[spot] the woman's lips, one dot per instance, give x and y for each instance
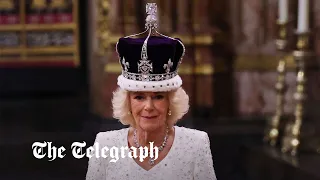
(148, 117)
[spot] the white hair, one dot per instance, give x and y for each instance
(178, 104)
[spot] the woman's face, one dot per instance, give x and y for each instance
(149, 109)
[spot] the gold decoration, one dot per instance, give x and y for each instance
(283, 30)
(272, 130)
(291, 139)
(60, 4)
(184, 69)
(282, 33)
(205, 39)
(262, 62)
(39, 4)
(187, 40)
(202, 69)
(303, 42)
(103, 32)
(6, 4)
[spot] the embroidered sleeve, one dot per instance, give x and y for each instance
(96, 166)
(204, 164)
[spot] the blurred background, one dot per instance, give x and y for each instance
(251, 70)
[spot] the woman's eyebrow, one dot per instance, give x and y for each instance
(159, 92)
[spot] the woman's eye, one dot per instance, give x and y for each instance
(138, 97)
(159, 97)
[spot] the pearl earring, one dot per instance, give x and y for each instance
(129, 113)
(169, 113)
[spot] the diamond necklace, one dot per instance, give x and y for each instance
(164, 143)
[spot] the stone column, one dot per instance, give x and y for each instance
(95, 62)
(104, 69)
(184, 32)
(203, 57)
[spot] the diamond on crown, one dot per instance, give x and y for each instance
(145, 66)
(149, 77)
(151, 8)
(151, 20)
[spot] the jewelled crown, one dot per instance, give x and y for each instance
(151, 63)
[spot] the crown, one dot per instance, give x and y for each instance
(151, 63)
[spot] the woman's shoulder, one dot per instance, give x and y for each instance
(193, 134)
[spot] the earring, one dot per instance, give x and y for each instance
(129, 113)
(169, 112)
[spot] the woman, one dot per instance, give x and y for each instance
(150, 100)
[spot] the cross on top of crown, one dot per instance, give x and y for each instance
(151, 8)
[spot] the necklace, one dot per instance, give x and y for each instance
(164, 143)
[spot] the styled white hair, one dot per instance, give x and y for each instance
(178, 104)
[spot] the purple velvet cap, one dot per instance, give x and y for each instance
(154, 68)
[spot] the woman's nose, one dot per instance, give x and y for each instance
(149, 105)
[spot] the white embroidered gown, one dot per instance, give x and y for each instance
(188, 159)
